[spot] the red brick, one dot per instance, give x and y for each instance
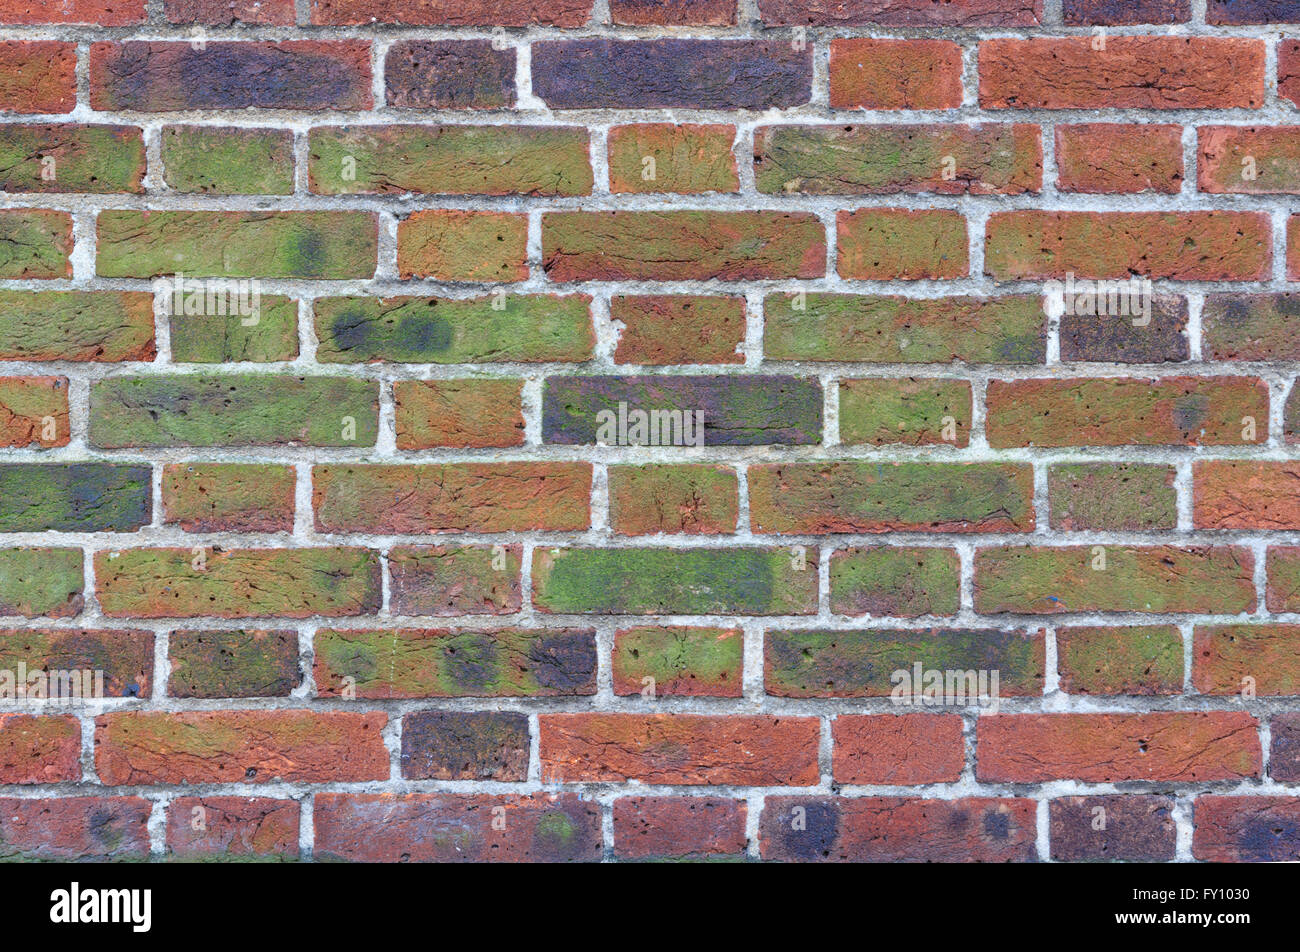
(678, 827)
(226, 827)
(37, 76)
(64, 829)
(1246, 829)
(452, 12)
(867, 73)
(896, 750)
(93, 12)
(39, 749)
(1113, 158)
(1246, 660)
(886, 244)
(1246, 494)
(901, 12)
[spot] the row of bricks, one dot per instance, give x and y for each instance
(748, 410)
(577, 13)
(673, 499)
(682, 158)
(447, 827)
(689, 245)
(1252, 660)
(145, 748)
(1079, 72)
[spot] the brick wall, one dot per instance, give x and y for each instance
(358, 548)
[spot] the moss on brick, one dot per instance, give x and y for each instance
(903, 581)
(228, 161)
(226, 338)
(40, 582)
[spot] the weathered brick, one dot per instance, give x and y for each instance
(135, 244)
(72, 158)
(465, 745)
(449, 74)
(1282, 564)
(687, 749)
(682, 245)
(1252, 11)
(748, 410)
(164, 747)
(1133, 828)
(269, 333)
(455, 580)
(226, 12)
(516, 327)
(1250, 327)
(35, 244)
(219, 828)
(473, 413)
(678, 329)
(887, 244)
(875, 497)
(233, 663)
(456, 160)
(408, 662)
(690, 662)
(1190, 246)
(1291, 417)
(686, 158)
(696, 499)
(899, 330)
(944, 158)
(74, 497)
(1245, 494)
(1288, 70)
(1131, 72)
(39, 749)
(1158, 578)
(77, 325)
(74, 829)
(900, 12)
(1143, 660)
(1112, 497)
(95, 12)
(34, 412)
(172, 77)
(1246, 659)
(745, 580)
(38, 76)
(1110, 748)
(894, 580)
(678, 828)
(898, 829)
(1137, 329)
(226, 160)
(452, 497)
(228, 497)
(1114, 158)
(466, 246)
(1246, 829)
(452, 12)
(910, 411)
(1284, 749)
(452, 827)
(1125, 12)
(864, 663)
(673, 12)
(894, 751)
(72, 662)
(671, 73)
(237, 583)
(35, 582)
(1248, 159)
(1119, 411)
(867, 73)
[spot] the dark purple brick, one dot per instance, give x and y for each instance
(1246, 829)
(166, 77)
(465, 745)
(737, 411)
(449, 74)
(900, 12)
(1253, 11)
(649, 74)
(1126, 12)
(1114, 339)
(1284, 754)
(1135, 828)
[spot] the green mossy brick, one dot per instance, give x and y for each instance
(147, 244)
(35, 244)
(702, 662)
(416, 330)
(76, 325)
(224, 338)
(1140, 659)
(441, 663)
(1116, 497)
(233, 410)
(887, 580)
(229, 497)
(71, 158)
(36, 582)
(661, 581)
(228, 161)
(450, 160)
(687, 158)
(908, 411)
(75, 497)
(881, 329)
(860, 663)
(243, 663)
